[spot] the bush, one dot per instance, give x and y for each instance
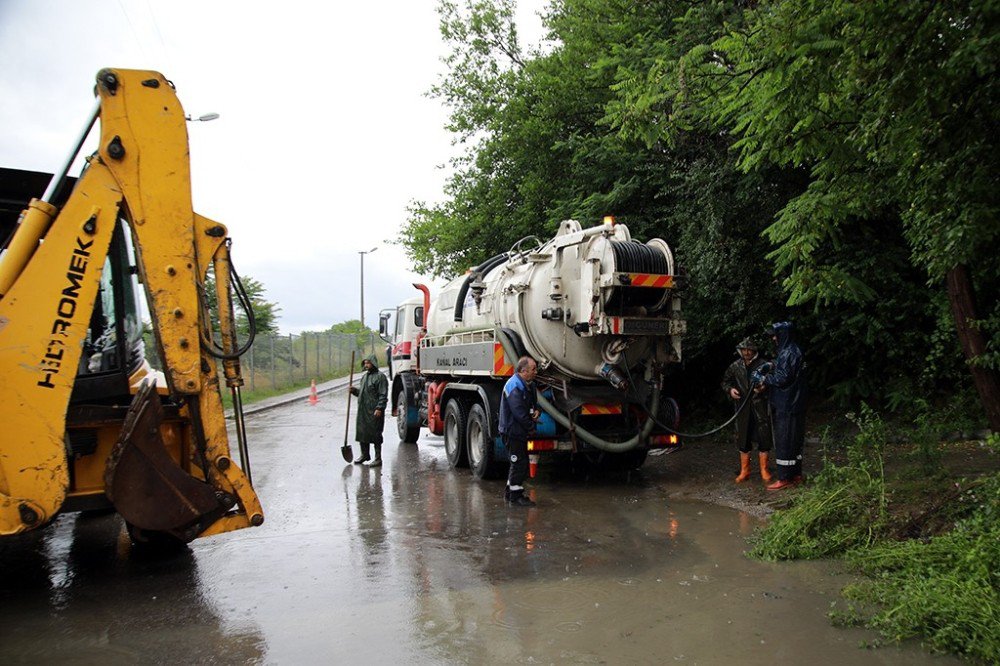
(945, 588)
(844, 508)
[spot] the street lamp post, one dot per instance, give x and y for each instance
(203, 118)
(362, 253)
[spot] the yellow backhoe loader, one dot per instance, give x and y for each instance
(85, 422)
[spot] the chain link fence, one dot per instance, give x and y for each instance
(278, 362)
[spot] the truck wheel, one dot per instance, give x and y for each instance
(454, 433)
(407, 434)
(482, 458)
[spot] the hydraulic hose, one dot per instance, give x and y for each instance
(582, 433)
(699, 435)
(211, 347)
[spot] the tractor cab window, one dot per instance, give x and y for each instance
(113, 343)
(100, 347)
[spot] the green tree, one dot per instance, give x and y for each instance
(539, 151)
(892, 107)
(702, 124)
(485, 210)
(362, 334)
(265, 312)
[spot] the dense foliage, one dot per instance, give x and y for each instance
(943, 586)
(827, 161)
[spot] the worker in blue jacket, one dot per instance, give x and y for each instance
(786, 389)
(518, 413)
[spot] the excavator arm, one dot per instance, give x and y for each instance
(159, 454)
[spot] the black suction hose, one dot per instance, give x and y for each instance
(699, 435)
(585, 435)
(628, 445)
(479, 271)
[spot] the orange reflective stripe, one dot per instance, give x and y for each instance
(594, 410)
(501, 367)
(651, 280)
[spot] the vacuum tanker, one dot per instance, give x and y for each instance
(598, 311)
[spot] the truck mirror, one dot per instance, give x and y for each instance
(383, 323)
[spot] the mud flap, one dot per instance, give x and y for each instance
(146, 486)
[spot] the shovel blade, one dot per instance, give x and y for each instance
(347, 452)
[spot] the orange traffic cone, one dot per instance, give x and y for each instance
(313, 398)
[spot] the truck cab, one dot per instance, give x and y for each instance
(402, 329)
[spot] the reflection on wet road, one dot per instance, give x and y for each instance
(415, 563)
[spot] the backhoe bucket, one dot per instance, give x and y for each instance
(144, 483)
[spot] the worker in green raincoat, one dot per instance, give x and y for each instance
(373, 394)
(754, 423)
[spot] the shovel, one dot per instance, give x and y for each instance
(346, 450)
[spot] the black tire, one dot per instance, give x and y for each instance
(407, 434)
(455, 418)
(482, 458)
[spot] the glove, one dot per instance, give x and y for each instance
(353, 390)
(757, 376)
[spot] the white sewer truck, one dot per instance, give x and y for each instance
(598, 311)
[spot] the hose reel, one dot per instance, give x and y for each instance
(636, 257)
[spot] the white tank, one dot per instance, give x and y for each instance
(578, 302)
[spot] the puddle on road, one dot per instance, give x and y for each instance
(415, 563)
(607, 573)
(427, 565)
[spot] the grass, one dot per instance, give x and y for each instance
(945, 589)
(845, 507)
(928, 544)
(258, 394)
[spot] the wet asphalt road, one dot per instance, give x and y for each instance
(415, 563)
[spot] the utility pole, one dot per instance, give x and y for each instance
(362, 253)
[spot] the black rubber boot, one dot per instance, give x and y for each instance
(517, 498)
(377, 460)
(363, 458)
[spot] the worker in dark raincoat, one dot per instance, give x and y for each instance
(753, 425)
(786, 391)
(518, 414)
(373, 394)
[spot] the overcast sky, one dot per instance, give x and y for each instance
(325, 134)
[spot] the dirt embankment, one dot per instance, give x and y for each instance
(705, 469)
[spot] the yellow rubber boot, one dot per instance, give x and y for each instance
(764, 474)
(744, 467)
